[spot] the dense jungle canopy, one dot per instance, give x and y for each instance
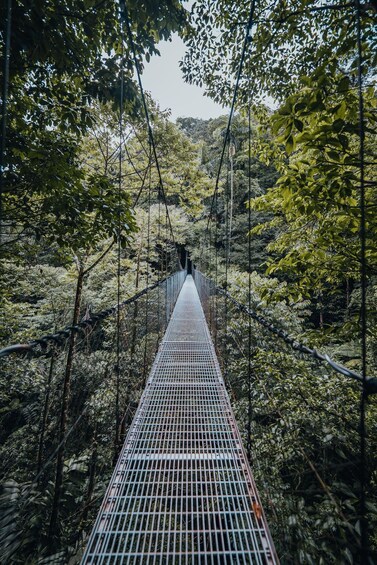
(86, 223)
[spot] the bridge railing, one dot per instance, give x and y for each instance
(103, 393)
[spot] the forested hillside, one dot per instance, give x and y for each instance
(275, 205)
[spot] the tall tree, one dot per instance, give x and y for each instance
(288, 39)
(64, 55)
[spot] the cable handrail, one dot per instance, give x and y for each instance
(371, 382)
(59, 337)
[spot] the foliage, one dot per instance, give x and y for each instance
(30, 403)
(64, 199)
(63, 57)
(316, 199)
(288, 40)
(39, 289)
(210, 136)
(63, 209)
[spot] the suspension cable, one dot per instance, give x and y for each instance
(216, 263)
(119, 235)
(126, 19)
(235, 92)
(227, 258)
(159, 259)
(4, 101)
(39, 347)
(145, 364)
(363, 310)
(249, 372)
(370, 382)
(232, 149)
(146, 172)
(166, 268)
(206, 286)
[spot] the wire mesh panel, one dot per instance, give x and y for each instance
(182, 490)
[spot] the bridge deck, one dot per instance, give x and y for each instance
(182, 490)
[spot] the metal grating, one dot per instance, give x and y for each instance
(182, 491)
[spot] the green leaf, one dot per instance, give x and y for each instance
(334, 155)
(299, 124)
(348, 556)
(343, 85)
(290, 144)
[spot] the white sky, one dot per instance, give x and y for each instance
(162, 77)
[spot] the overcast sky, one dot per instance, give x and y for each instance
(162, 77)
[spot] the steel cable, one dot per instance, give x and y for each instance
(364, 542)
(249, 373)
(119, 235)
(4, 114)
(235, 92)
(125, 18)
(370, 383)
(145, 363)
(59, 338)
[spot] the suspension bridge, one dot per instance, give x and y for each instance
(182, 490)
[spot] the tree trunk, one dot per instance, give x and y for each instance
(54, 520)
(321, 311)
(45, 414)
(91, 483)
(321, 318)
(348, 297)
(136, 311)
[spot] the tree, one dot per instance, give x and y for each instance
(305, 55)
(63, 57)
(315, 201)
(295, 55)
(288, 39)
(210, 135)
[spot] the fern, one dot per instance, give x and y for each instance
(22, 520)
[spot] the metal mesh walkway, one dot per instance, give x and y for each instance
(182, 490)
